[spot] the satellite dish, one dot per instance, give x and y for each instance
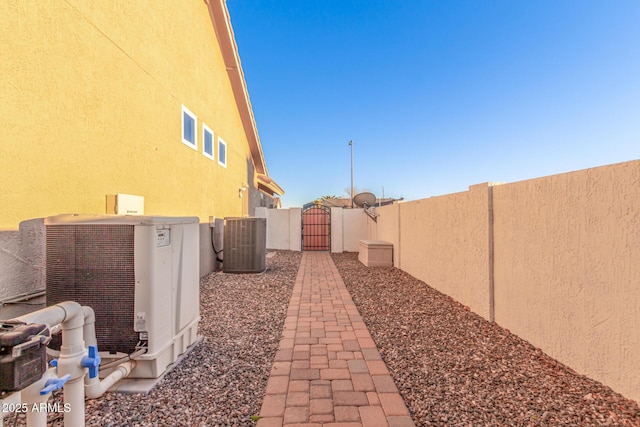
(364, 200)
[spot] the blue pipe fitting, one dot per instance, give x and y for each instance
(91, 361)
(54, 384)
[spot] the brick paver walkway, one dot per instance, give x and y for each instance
(327, 370)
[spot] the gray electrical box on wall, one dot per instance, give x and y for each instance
(245, 245)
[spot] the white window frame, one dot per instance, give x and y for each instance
(221, 142)
(206, 129)
(194, 144)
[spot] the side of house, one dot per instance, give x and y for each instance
(103, 98)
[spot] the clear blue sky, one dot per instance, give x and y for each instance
(438, 95)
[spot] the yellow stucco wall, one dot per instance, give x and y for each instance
(91, 105)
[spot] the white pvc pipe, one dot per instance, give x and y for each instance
(98, 388)
(89, 329)
(31, 396)
(51, 316)
(71, 316)
(78, 331)
(89, 332)
(93, 386)
(11, 401)
(73, 394)
(70, 362)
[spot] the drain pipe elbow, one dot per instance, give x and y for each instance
(97, 388)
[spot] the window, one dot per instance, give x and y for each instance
(222, 153)
(189, 123)
(207, 141)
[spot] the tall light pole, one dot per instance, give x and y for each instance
(351, 144)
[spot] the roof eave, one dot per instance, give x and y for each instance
(270, 184)
(221, 21)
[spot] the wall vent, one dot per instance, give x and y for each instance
(139, 274)
(245, 245)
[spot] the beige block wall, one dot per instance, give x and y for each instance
(565, 273)
(444, 241)
(387, 228)
(284, 227)
(277, 227)
(354, 229)
(567, 269)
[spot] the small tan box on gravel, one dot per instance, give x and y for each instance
(376, 253)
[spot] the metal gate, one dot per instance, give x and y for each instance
(316, 229)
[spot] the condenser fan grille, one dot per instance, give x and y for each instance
(93, 264)
(245, 243)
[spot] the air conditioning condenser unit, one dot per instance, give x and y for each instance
(245, 245)
(140, 274)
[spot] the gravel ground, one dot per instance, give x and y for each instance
(454, 368)
(223, 380)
